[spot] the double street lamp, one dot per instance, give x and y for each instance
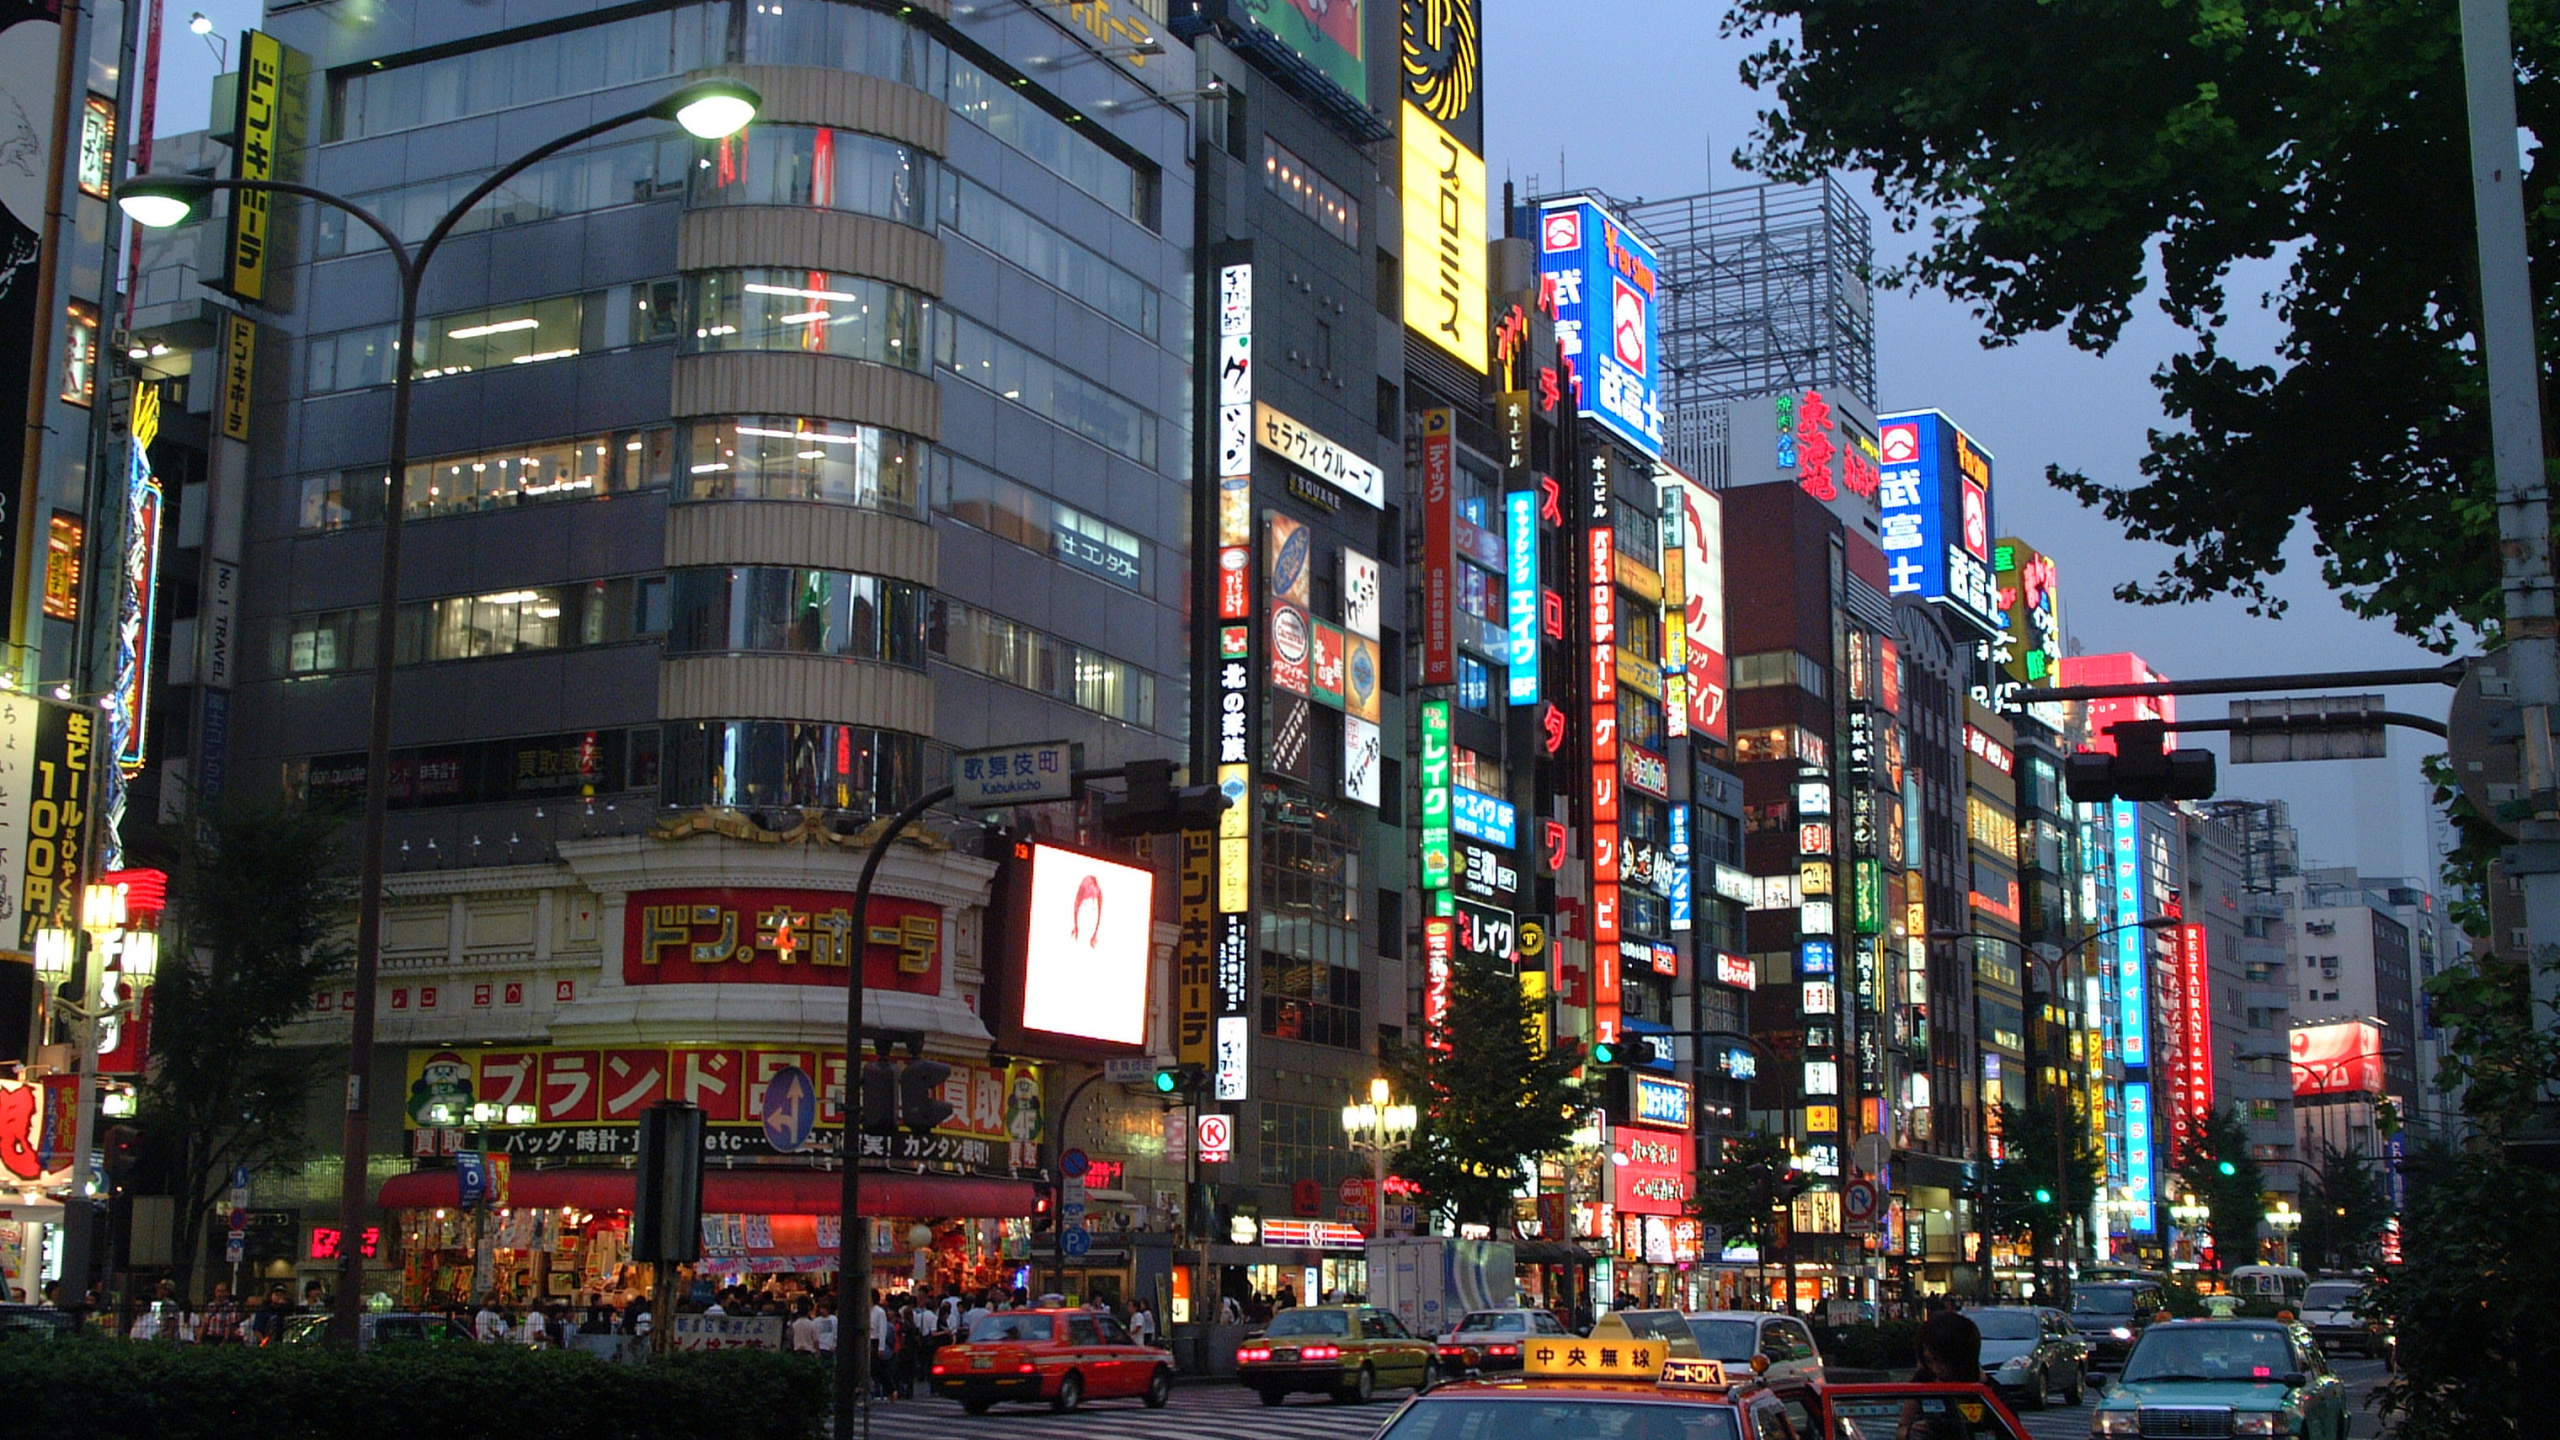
(709, 109)
(1379, 1126)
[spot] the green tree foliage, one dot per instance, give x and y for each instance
(2237, 1200)
(2060, 157)
(1492, 1098)
(2467, 1303)
(258, 921)
(2343, 1211)
(1740, 1188)
(2029, 1170)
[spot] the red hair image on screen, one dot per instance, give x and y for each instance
(1090, 888)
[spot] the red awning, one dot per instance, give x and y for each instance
(737, 1192)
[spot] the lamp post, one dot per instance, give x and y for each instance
(1378, 1126)
(709, 109)
(2284, 1220)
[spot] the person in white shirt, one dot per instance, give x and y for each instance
(827, 1328)
(534, 1333)
(976, 1313)
(804, 1332)
(884, 1349)
(490, 1325)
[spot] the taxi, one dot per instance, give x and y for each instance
(1624, 1384)
(1346, 1352)
(1060, 1357)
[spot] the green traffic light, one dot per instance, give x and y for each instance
(2227, 1168)
(2043, 1196)
(1167, 1082)
(1604, 1053)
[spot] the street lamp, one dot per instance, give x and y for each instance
(103, 915)
(709, 109)
(1378, 1126)
(2284, 1220)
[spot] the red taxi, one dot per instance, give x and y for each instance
(1060, 1357)
(1619, 1386)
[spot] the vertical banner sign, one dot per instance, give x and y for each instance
(127, 708)
(1439, 547)
(1675, 618)
(2191, 1069)
(1439, 943)
(1702, 627)
(239, 373)
(1435, 794)
(1235, 630)
(2133, 980)
(1194, 958)
(57, 817)
(22, 310)
(1603, 279)
(1444, 218)
(1520, 591)
(1682, 909)
(1601, 587)
(258, 125)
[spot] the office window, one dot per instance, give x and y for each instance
(80, 353)
(1040, 250)
(633, 172)
(982, 357)
(1303, 1142)
(612, 611)
(1311, 1000)
(979, 497)
(1012, 117)
(1772, 668)
(1018, 654)
(523, 332)
(613, 463)
(1639, 535)
(783, 457)
(527, 72)
(779, 609)
(1310, 194)
(812, 167)
(787, 764)
(805, 310)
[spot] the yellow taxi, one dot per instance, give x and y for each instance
(1623, 1383)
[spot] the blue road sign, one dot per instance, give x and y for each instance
(790, 1108)
(1076, 1243)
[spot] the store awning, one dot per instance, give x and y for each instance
(738, 1192)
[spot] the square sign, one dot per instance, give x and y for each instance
(1217, 1138)
(1606, 286)
(1935, 498)
(1014, 774)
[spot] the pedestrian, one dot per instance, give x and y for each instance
(535, 1332)
(220, 1323)
(1142, 1324)
(1950, 1354)
(979, 1309)
(884, 1347)
(489, 1327)
(827, 1329)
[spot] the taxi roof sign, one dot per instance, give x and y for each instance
(1602, 1357)
(1679, 1374)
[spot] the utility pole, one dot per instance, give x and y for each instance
(2524, 492)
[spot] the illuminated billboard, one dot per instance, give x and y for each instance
(1085, 948)
(1603, 279)
(1823, 442)
(2344, 1058)
(2118, 669)
(1444, 210)
(1702, 627)
(2030, 598)
(1327, 34)
(1935, 505)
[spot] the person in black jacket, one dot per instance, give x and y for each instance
(1950, 1354)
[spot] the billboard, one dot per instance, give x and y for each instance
(1444, 270)
(2344, 1058)
(1702, 628)
(1327, 34)
(1935, 504)
(1439, 546)
(2118, 669)
(1084, 954)
(1603, 280)
(1823, 442)
(2029, 646)
(2191, 1063)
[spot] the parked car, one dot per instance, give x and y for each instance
(1734, 1336)
(2111, 1315)
(2225, 1377)
(1347, 1352)
(36, 1322)
(2029, 1352)
(1490, 1340)
(2329, 1309)
(1061, 1357)
(391, 1327)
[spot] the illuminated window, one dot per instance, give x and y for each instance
(779, 457)
(612, 463)
(808, 311)
(97, 146)
(1309, 193)
(80, 353)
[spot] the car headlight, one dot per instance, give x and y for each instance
(2258, 1422)
(2122, 1332)
(2115, 1422)
(2014, 1362)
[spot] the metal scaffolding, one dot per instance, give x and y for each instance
(1765, 289)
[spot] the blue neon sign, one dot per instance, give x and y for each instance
(2137, 1151)
(1605, 280)
(1520, 581)
(2133, 989)
(1479, 816)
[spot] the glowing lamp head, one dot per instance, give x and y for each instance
(157, 202)
(55, 951)
(139, 957)
(101, 908)
(711, 109)
(201, 23)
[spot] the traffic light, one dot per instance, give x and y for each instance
(2143, 768)
(1180, 1079)
(879, 1097)
(123, 1147)
(2044, 1195)
(1633, 1050)
(1044, 1205)
(1154, 805)
(2227, 1168)
(920, 1103)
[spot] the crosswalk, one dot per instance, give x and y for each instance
(1227, 1412)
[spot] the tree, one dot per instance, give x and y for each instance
(2220, 1171)
(2028, 1172)
(1493, 1097)
(257, 924)
(1740, 1188)
(2060, 159)
(2343, 1212)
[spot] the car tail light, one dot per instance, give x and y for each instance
(1321, 1352)
(1026, 1368)
(1251, 1353)
(1502, 1350)
(939, 1369)
(1453, 1352)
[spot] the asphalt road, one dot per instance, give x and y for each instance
(1230, 1412)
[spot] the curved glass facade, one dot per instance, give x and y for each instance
(813, 167)
(805, 310)
(784, 457)
(788, 763)
(776, 609)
